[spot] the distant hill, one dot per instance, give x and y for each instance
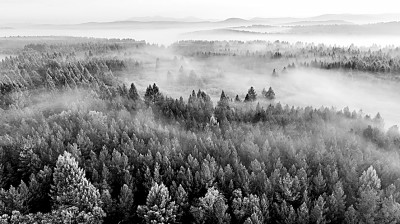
(313, 23)
(360, 18)
(274, 20)
(234, 20)
(158, 22)
(353, 18)
(390, 28)
(166, 19)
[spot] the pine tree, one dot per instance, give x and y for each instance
(223, 97)
(152, 93)
(23, 197)
(181, 199)
(237, 99)
(318, 211)
(125, 200)
(351, 216)
(247, 98)
(369, 195)
(274, 73)
(149, 94)
(238, 206)
(159, 208)
(336, 203)
(212, 208)
(390, 210)
(264, 206)
(303, 215)
(252, 95)
(108, 204)
(319, 184)
(71, 188)
(133, 94)
(156, 173)
(15, 199)
(270, 94)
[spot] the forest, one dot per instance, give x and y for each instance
(109, 131)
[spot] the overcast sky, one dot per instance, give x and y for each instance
(77, 11)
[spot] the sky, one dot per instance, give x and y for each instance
(79, 11)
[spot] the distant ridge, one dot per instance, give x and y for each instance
(234, 20)
(361, 18)
(353, 18)
(323, 22)
(159, 21)
(190, 19)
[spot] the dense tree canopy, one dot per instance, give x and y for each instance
(78, 146)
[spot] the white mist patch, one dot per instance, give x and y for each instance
(325, 88)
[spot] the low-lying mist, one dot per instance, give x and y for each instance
(167, 36)
(327, 88)
(298, 87)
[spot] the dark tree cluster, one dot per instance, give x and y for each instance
(251, 95)
(270, 94)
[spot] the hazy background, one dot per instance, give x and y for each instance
(78, 11)
(163, 22)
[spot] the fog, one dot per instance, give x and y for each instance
(299, 87)
(167, 36)
(325, 88)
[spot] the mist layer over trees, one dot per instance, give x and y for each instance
(120, 131)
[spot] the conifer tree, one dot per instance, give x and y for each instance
(212, 208)
(319, 184)
(223, 96)
(303, 216)
(125, 200)
(336, 203)
(318, 211)
(181, 199)
(270, 94)
(252, 95)
(133, 94)
(159, 208)
(237, 99)
(71, 188)
(351, 216)
(369, 195)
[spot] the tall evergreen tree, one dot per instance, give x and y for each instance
(133, 94)
(369, 195)
(318, 212)
(336, 203)
(270, 94)
(252, 94)
(212, 208)
(125, 202)
(159, 208)
(71, 188)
